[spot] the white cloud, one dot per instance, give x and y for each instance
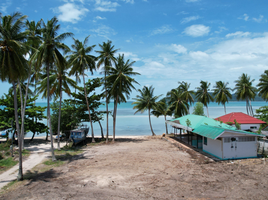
(129, 1)
(162, 30)
(71, 12)
(178, 48)
(221, 29)
(106, 6)
(245, 17)
(104, 31)
(238, 34)
(259, 19)
(197, 30)
(129, 55)
(188, 19)
(100, 18)
(5, 5)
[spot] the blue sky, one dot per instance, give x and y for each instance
(171, 41)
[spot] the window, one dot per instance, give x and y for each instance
(205, 141)
(227, 140)
(253, 127)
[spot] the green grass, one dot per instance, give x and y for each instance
(7, 163)
(5, 146)
(9, 184)
(56, 163)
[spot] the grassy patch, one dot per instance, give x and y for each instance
(9, 184)
(7, 163)
(56, 163)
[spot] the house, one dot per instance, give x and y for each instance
(246, 122)
(216, 138)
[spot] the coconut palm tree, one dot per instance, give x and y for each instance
(120, 83)
(221, 93)
(203, 95)
(59, 81)
(81, 60)
(178, 103)
(13, 65)
(263, 85)
(105, 59)
(245, 91)
(162, 108)
(184, 87)
(146, 101)
(49, 55)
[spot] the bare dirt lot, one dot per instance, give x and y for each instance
(146, 168)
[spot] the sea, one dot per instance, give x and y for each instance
(130, 124)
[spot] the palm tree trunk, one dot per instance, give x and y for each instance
(251, 110)
(207, 111)
(114, 118)
(224, 108)
(247, 105)
(22, 118)
(59, 116)
(107, 114)
(48, 116)
(102, 136)
(92, 133)
(20, 175)
(166, 124)
(153, 134)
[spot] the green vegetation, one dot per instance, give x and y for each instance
(199, 109)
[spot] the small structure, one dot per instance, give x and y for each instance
(79, 135)
(216, 138)
(246, 122)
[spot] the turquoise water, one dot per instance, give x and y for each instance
(138, 124)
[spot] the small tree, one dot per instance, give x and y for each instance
(199, 109)
(237, 125)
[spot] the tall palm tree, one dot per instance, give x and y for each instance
(13, 65)
(120, 83)
(221, 93)
(184, 87)
(49, 55)
(59, 81)
(106, 58)
(81, 60)
(263, 85)
(162, 108)
(146, 101)
(245, 91)
(178, 103)
(203, 95)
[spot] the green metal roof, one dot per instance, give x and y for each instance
(197, 120)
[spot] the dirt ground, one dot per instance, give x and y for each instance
(146, 168)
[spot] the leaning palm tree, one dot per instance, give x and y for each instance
(163, 108)
(184, 87)
(178, 103)
(245, 91)
(120, 83)
(106, 58)
(49, 55)
(13, 65)
(81, 60)
(146, 101)
(59, 81)
(203, 95)
(222, 93)
(263, 85)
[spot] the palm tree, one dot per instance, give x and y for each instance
(162, 108)
(263, 85)
(59, 81)
(222, 93)
(120, 83)
(245, 91)
(49, 55)
(184, 87)
(203, 95)
(13, 65)
(106, 58)
(146, 101)
(178, 103)
(81, 60)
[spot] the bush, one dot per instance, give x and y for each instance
(1, 156)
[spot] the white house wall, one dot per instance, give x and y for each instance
(247, 126)
(214, 147)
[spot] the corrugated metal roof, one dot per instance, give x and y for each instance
(240, 117)
(197, 120)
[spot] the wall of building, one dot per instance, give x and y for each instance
(248, 126)
(213, 147)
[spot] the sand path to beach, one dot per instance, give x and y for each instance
(39, 151)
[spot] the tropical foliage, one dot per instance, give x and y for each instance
(222, 93)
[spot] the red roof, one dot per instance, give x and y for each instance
(240, 117)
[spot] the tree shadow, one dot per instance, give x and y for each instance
(43, 176)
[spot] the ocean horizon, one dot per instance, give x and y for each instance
(128, 124)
